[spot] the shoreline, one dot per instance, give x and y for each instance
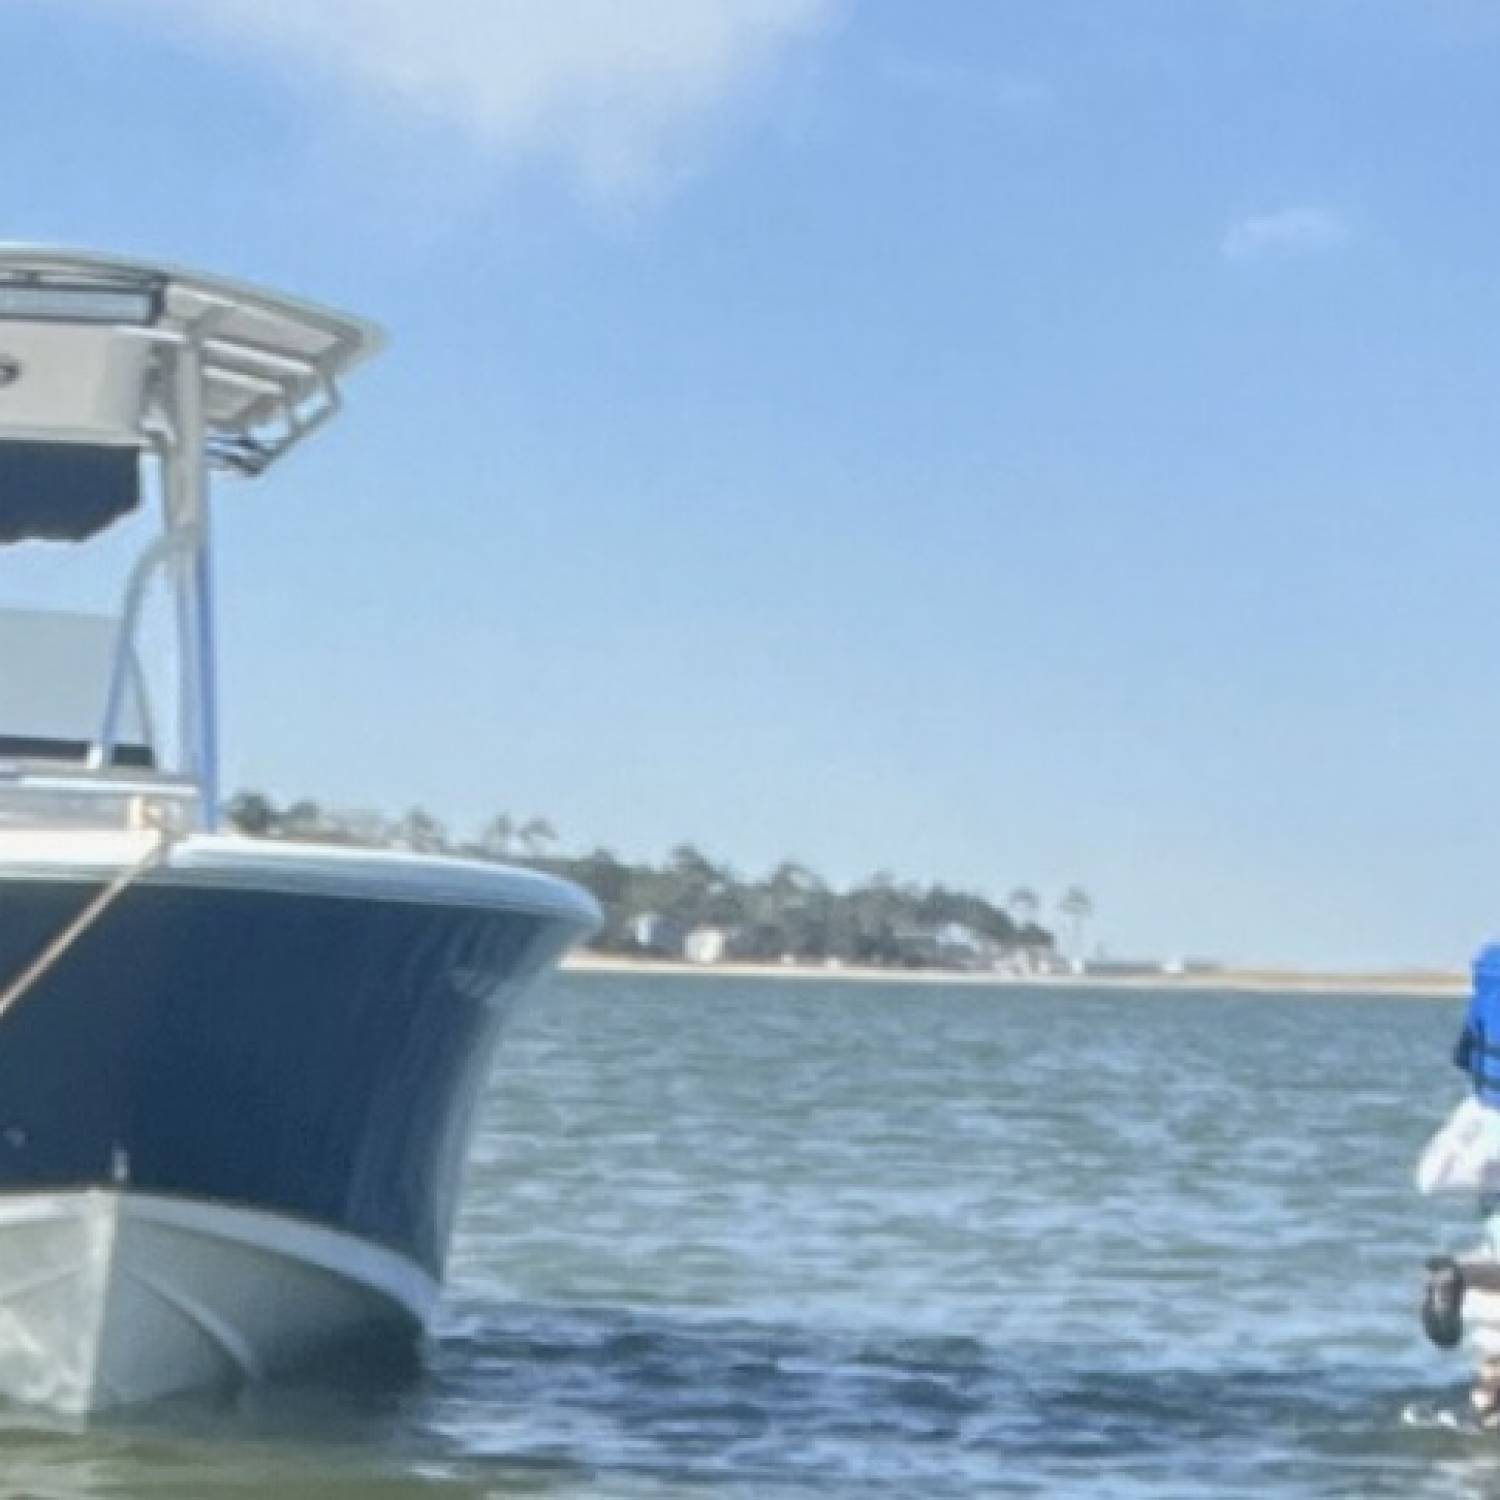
(1417, 986)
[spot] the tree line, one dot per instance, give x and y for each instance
(790, 912)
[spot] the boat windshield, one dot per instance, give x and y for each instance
(56, 680)
(89, 711)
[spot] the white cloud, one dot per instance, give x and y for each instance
(1285, 233)
(606, 85)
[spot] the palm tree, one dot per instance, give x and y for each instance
(1076, 907)
(1023, 905)
(420, 832)
(496, 837)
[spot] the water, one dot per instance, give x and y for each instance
(766, 1238)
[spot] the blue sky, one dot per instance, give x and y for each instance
(999, 440)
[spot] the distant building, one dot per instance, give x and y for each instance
(706, 945)
(356, 825)
(1123, 968)
(1030, 963)
(951, 945)
(655, 934)
(915, 947)
(1186, 968)
(961, 947)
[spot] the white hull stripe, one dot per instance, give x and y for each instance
(217, 861)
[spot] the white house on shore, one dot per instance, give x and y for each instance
(706, 945)
(655, 934)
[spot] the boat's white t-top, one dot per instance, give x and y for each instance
(91, 345)
(116, 375)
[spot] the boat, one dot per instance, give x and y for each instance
(238, 1075)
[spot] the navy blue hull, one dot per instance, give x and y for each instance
(313, 1056)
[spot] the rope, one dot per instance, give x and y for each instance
(52, 954)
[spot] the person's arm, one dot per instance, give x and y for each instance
(1469, 1038)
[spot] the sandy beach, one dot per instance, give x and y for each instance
(1417, 984)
